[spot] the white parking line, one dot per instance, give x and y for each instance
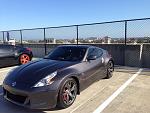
(92, 96)
(6, 70)
(81, 104)
(116, 93)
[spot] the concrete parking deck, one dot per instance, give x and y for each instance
(133, 99)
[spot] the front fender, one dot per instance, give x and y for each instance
(62, 76)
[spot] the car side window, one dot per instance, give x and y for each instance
(99, 52)
(95, 52)
(92, 52)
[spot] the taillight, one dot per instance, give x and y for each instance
(29, 49)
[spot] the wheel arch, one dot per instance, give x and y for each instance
(111, 59)
(78, 83)
(75, 78)
(60, 86)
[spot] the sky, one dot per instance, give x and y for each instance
(22, 14)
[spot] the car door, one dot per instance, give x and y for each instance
(92, 68)
(6, 55)
(100, 67)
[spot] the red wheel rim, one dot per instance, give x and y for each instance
(24, 59)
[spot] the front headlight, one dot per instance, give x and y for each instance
(46, 81)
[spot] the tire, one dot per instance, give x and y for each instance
(67, 93)
(24, 58)
(109, 69)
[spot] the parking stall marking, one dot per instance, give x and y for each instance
(86, 101)
(6, 70)
(2, 76)
(95, 94)
(116, 93)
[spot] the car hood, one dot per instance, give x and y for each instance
(29, 74)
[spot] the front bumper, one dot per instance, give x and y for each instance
(37, 99)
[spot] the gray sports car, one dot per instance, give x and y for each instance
(57, 78)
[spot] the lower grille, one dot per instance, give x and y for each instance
(17, 98)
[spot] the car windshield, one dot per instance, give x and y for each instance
(67, 54)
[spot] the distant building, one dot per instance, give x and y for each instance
(92, 38)
(51, 40)
(1, 41)
(11, 41)
(54, 41)
(74, 41)
(66, 42)
(25, 42)
(107, 40)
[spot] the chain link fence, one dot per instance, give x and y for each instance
(60, 35)
(128, 40)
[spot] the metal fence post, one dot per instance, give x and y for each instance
(3, 38)
(125, 35)
(21, 37)
(45, 42)
(125, 41)
(77, 34)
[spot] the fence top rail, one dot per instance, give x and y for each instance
(79, 25)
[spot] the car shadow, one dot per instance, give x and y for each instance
(7, 107)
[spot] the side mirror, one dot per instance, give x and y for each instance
(91, 57)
